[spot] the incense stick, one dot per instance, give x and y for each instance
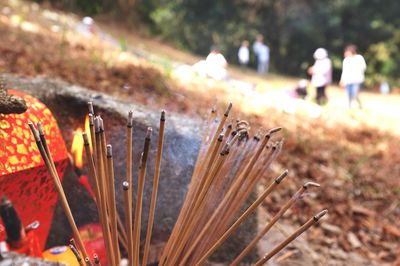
(299, 231)
(103, 192)
(194, 190)
(88, 262)
(232, 191)
(155, 189)
(244, 216)
(56, 180)
(280, 213)
(128, 220)
(92, 135)
(139, 197)
(96, 259)
(77, 255)
(113, 208)
(128, 212)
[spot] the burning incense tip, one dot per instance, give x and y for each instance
(90, 106)
(228, 110)
(34, 132)
(125, 185)
(85, 138)
(320, 215)
(130, 119)
(148, 133)
(311, 184)
(282, 176)
(162, 118)
(109, 150)
(91, 119)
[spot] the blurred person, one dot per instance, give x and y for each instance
(244, 54)
(216, 64)
(321, 74)
(87, 27)
(262, 54)
(301, 89)
(353, 69)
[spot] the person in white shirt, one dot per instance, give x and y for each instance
(321, 74)
(244, 54)
(216, 64)
(262, 53)
(353, 70)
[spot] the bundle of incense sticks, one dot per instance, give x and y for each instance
(228, 167)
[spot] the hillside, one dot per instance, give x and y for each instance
(353, 154)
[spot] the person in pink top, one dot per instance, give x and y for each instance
(321, 74)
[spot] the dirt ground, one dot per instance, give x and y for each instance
(353, 154)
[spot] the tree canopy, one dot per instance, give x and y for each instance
(293, 29)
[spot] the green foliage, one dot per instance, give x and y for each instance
(293, 29)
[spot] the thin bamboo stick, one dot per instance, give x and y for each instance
(299, 231)
(139, 197)
(46, 148)
(185, 233)
(96, 259)
(243, 217)
(88, 262)
(155, 189)
(92, 136)
(102, 185)
(195, 183)
(280, 213)
(128, 220)
(77, 255)
(232, 190)
(59, 188)
(128, 213)
(113, 207)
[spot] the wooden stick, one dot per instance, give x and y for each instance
(203, 171)
(299, 231)
(155, 189)
(281, 212)
(46, 148)
(232, 190)
(113, 207)
(92, 136)
(77, 255)
(195, 183)
(88, 262)
(103, 193)
(122, 235)
(128, 220)
(128, 212)
(243, 217)
(198, 204)
(59, 188)
(139, 198)
(96, 259)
